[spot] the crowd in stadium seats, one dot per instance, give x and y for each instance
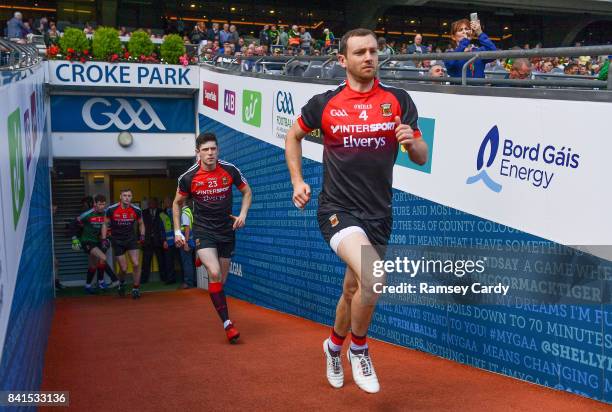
(225, 45)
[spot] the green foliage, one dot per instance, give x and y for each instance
(140, 44)
(106, 43)
(172, 48)
(73, 39)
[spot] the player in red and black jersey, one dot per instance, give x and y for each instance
(122, 219)
(209, 183)
(363, 124)
(86, 231)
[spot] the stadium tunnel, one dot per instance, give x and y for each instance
(102, 127)
(115, 127)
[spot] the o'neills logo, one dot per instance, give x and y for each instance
(211, 93)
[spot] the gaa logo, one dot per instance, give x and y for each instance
(338, 113)
(284, 103)
(124, 110)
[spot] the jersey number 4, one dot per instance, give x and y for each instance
(363, 115)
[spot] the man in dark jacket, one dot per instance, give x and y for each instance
(153, 242)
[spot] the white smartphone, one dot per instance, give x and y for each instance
(473, 16)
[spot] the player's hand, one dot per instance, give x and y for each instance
(141, 240)
(239, 221)
(179, 238)
(105, 244)
(186, 247)
(403, 133)
(76, 243)
(301, 194)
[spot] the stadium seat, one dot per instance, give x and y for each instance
(335, 72)
(313, 70)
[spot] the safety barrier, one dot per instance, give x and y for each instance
(544, 191)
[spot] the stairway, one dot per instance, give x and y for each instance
(67, 195)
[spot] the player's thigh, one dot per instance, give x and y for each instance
(350, 251)
(98, 254)
(209, 257)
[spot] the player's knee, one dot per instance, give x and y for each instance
(349, 291)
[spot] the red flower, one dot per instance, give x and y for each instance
(70, 50)
(114, 57)
(126, 55)
(85, 52)
(82, 59)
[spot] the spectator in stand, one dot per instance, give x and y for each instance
(571, 69)
(383, 49)
(53, 35)
(123, 32)
(305, 40)
(328, 40)
(27, 29)
(208, 55)
(521, 69)
(436, 70)
(248, 63)
(294, 37)
(215, 47)
(461, 36)
(186, 40)
(43, 26)
(546, 66)
(198, 34)
(283, 37)
(264, 35)
(241, 46)
(224, 35)
(15, 28)
(233, 35)
(603, 69)
(88, 29)
(213, 33)
(417, 46)
(274, 36)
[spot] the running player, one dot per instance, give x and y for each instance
(122, 218)
(363, 123)
(209, 183)
(89, 226)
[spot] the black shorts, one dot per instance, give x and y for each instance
(88, 246)
(122, 246)
(378, 231)
(224, 243)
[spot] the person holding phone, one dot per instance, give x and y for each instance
(462, 33)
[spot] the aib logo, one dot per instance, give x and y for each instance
(251, 107)
(229, 102)
(284, 103)
(124, 111)
(491, 140)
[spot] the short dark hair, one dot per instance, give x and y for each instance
(99, 198)
(205, 137)
(122, 191)
(360, 32)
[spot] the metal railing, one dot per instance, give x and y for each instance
(14, 56)
(415, 74)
